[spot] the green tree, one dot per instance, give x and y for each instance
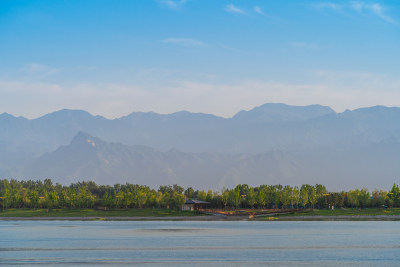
(72, 198)
(6, 198)
(364, 197)
(178, 189)
(165, 200)
(234, 198)
(107, 200)
(262, 197)
(51, 200)
(251, 197)
(321, 192)
(189, 192)
(62, 198)
(296, 196)
(118, 196)
(225, 197)
(154, 198)
(303, 196)
(48, 185)
(210, 196)
(15, 198)
(394, 195)
(127, 199)
(178, 200)
(353, 197)
(34, 198)
(286, 195)
(141, 198)
(312, 197)
(272, 195)
(24, 197)
(243, 189)
(202, 195)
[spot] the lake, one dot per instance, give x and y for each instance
(200, 243)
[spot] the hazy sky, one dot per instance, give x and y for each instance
(214, 56)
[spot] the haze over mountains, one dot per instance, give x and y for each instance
(273, 143)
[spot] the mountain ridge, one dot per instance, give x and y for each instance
(90, 158)
(212, 139)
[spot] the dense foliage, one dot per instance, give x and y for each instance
(38, 194)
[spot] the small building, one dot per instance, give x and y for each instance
(194, 204)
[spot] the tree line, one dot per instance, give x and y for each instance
(46, 194)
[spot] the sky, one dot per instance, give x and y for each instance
(112, 58)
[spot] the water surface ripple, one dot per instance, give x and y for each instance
(200, 243)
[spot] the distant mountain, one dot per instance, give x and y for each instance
(289, 136)
(89, 158)
(263, 128)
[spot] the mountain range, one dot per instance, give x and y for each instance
(270, 144)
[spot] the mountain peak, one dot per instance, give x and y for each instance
(279, 112)
(82, 138)
(377, 109)
(11, 118)
(66, 114)
(6, 115)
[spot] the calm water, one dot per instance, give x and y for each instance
(219, 243)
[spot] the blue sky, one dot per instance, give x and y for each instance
(116, 57)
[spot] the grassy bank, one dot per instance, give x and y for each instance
(176, 213)
(347, 212)
(95, 213)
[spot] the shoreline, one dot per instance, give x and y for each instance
(113, 218)
(211, 218)
(341, 218)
